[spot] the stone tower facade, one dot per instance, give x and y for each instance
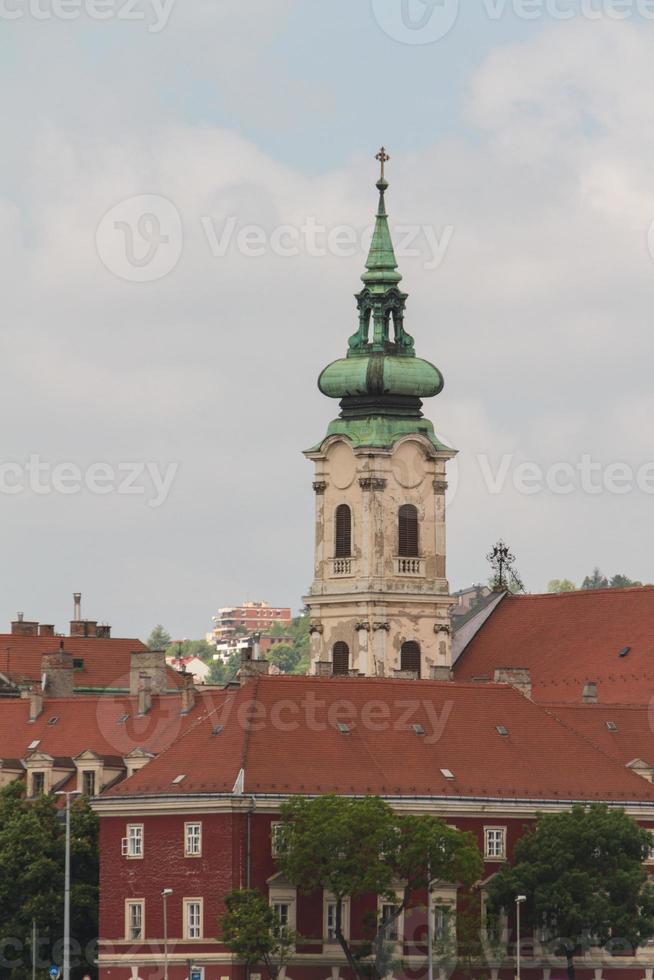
(379, 603)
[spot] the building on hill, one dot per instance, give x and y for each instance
(379, 602)
(484, 757)
(250, 617)
(568, 640)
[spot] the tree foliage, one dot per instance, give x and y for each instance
(32, 852)
(252, 931)
(561, 585)
(159, 639)
(183, 649)
(361, 847)
(583, 877)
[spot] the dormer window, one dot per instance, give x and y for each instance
(38, 784)
(88, 782)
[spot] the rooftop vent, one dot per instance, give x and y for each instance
(611, 725)
(35, 744)
(53, 720)
(343, 728)
(217, 729)
(625, 652)
(447, 773)
(418, 729)
(501, 730)
(179, 779)
(122, 719)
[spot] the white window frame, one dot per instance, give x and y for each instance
(285, 896)
(129, 904)
(189, 838)
(275, 849)
(44, 789)
(84, 774)
(130, 852)
(328, 899)
(399, 922)
(187, 903)
(494, 829)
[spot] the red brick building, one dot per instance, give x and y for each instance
(199, 819)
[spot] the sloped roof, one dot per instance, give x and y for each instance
(294, 745)
(567, 640)
(630, 735)
(95, 723)
(106, 660)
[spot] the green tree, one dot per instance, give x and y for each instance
(360, 847)
(623, 582)
(32, 850)
(159, 639)
(252, 931)
(222, 673)
(182, 649)
(561, 585)
(284, 656)
(597, 580)
(583, 877)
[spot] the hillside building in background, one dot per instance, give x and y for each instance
(379, 602)
(250, 617)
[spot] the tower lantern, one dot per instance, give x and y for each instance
(379, 603)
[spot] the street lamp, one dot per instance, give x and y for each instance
(66, 970)
(519, 899)
(165, 894)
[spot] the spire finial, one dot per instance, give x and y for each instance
(383, 158)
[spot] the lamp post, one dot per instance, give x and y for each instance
(66, 966)
(165, 894)
(519, 899)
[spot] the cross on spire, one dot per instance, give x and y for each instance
(383, 158)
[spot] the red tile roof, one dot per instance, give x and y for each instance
(95, 723)
(293, 745)
(630, 735)
(567, 640)
(106, 660)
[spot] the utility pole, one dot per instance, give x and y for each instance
(66, 969)
(165, 894)
(430, 927)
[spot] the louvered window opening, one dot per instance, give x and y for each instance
(341, 658)
(408, 531)
(343, 532)
(410, 656)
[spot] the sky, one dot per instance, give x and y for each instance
(186, 190)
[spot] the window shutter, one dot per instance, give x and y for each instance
(341, 658)
(408, 531)
(343, 543)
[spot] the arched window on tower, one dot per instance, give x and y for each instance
(408, 531)
(410, 657)
(341, 658)
(343, 542)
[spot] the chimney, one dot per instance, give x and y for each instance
(251, 668)
(589, 693)
(151, 663)
(46, 630)
(21, 627)
(518, 677)
(58, 675)
(36, 704)
(188, 693)
(441, 674)
(144, 695)
(77, 607)
(104, 632)
(83, 627)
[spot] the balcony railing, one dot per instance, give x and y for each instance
(342, 567)
(410, 567)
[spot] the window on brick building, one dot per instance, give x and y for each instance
(193, 839)
(282, 911)
(329, 918)
(38, 784)
(134, 919)
(341, 658)
(391, 928)
(133, 842)
(408, 531)
(277, 842)
(192, 918)
(343, 541)
(495, 843)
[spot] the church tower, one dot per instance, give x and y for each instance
(379, 603)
